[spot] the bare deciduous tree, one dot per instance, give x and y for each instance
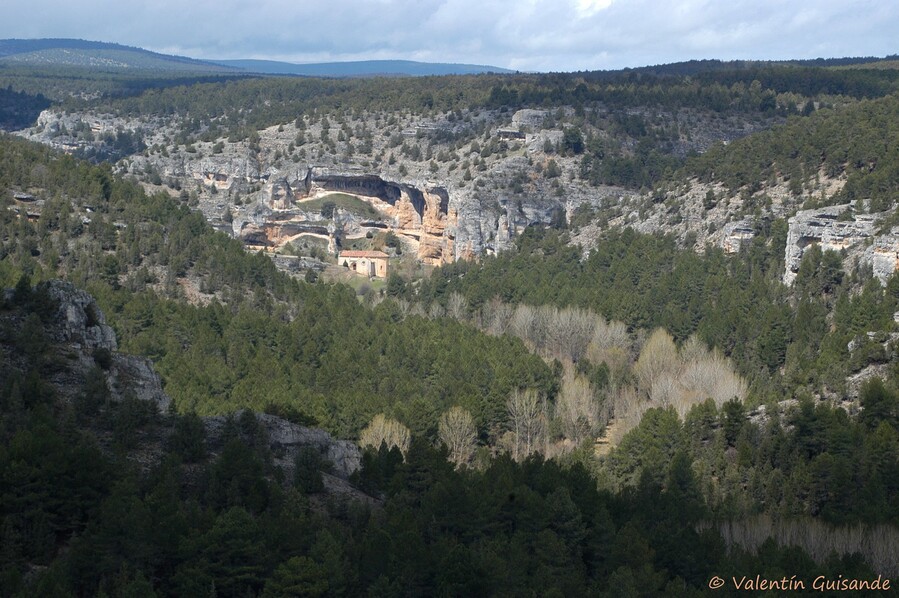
(543, 316)
(628, 407)
(417, 309)
(611, 345)
(693, 350)
(522, 322)
(568, 332)
(436, 311)
(384, 430)
(659, 356)
(577, 407)
(665, 390)
(457, 306)
(527, 418)
(879, 544)
(496, 316)
(607, 336)
(710, 377)
(457, 431)
(700, 374)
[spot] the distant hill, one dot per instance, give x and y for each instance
(9, 47)
(99, 55)
(109, 56)
(694, 67)
(362, 68)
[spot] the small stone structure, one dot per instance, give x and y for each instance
(369, 263)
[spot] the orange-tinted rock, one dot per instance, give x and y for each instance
(405, 215)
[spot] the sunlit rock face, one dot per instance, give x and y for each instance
(736, 235)
(418, 211)
(78, 319)
(837, 228)
(883, 255)
(465, 204)
(79, 326)
(822, 227)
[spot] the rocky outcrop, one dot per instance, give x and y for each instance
(281, 195)
(831, 228)
(883, 255)
(135, 376)
(529, 118)
(736, 235)
(367, 185)
(81, 326)
(78, 321)
(838, 228)
(436, 242)
(77, 331)
(81, 340)
(444, 207)
(278, 233)
(397, 160)
(286, 439)
(419, 212)
(226, 173)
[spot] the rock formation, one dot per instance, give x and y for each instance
(528, 118)
(80, 326)
(280, 194)
(286, 439)
(822, 227)
(77, 329)
(883, 255)
(838, 228)
(78, 321)
(736, 235)
(418, 212)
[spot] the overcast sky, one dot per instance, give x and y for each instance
(531, 35)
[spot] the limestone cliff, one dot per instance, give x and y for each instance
(76, 331)
(838, 228)
(418, 212)
(818, 227)
(450, 203)
(883, 254)
(451, 185)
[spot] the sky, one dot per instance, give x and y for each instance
(526, 35)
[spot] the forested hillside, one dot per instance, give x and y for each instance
(818, 341)
(83, 520)
(319, 353)
(858, 143)
(504, 152)
(259, 337)
(577, 408)
(736, 303)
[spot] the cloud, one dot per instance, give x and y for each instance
(588, 8)
(521, 34)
